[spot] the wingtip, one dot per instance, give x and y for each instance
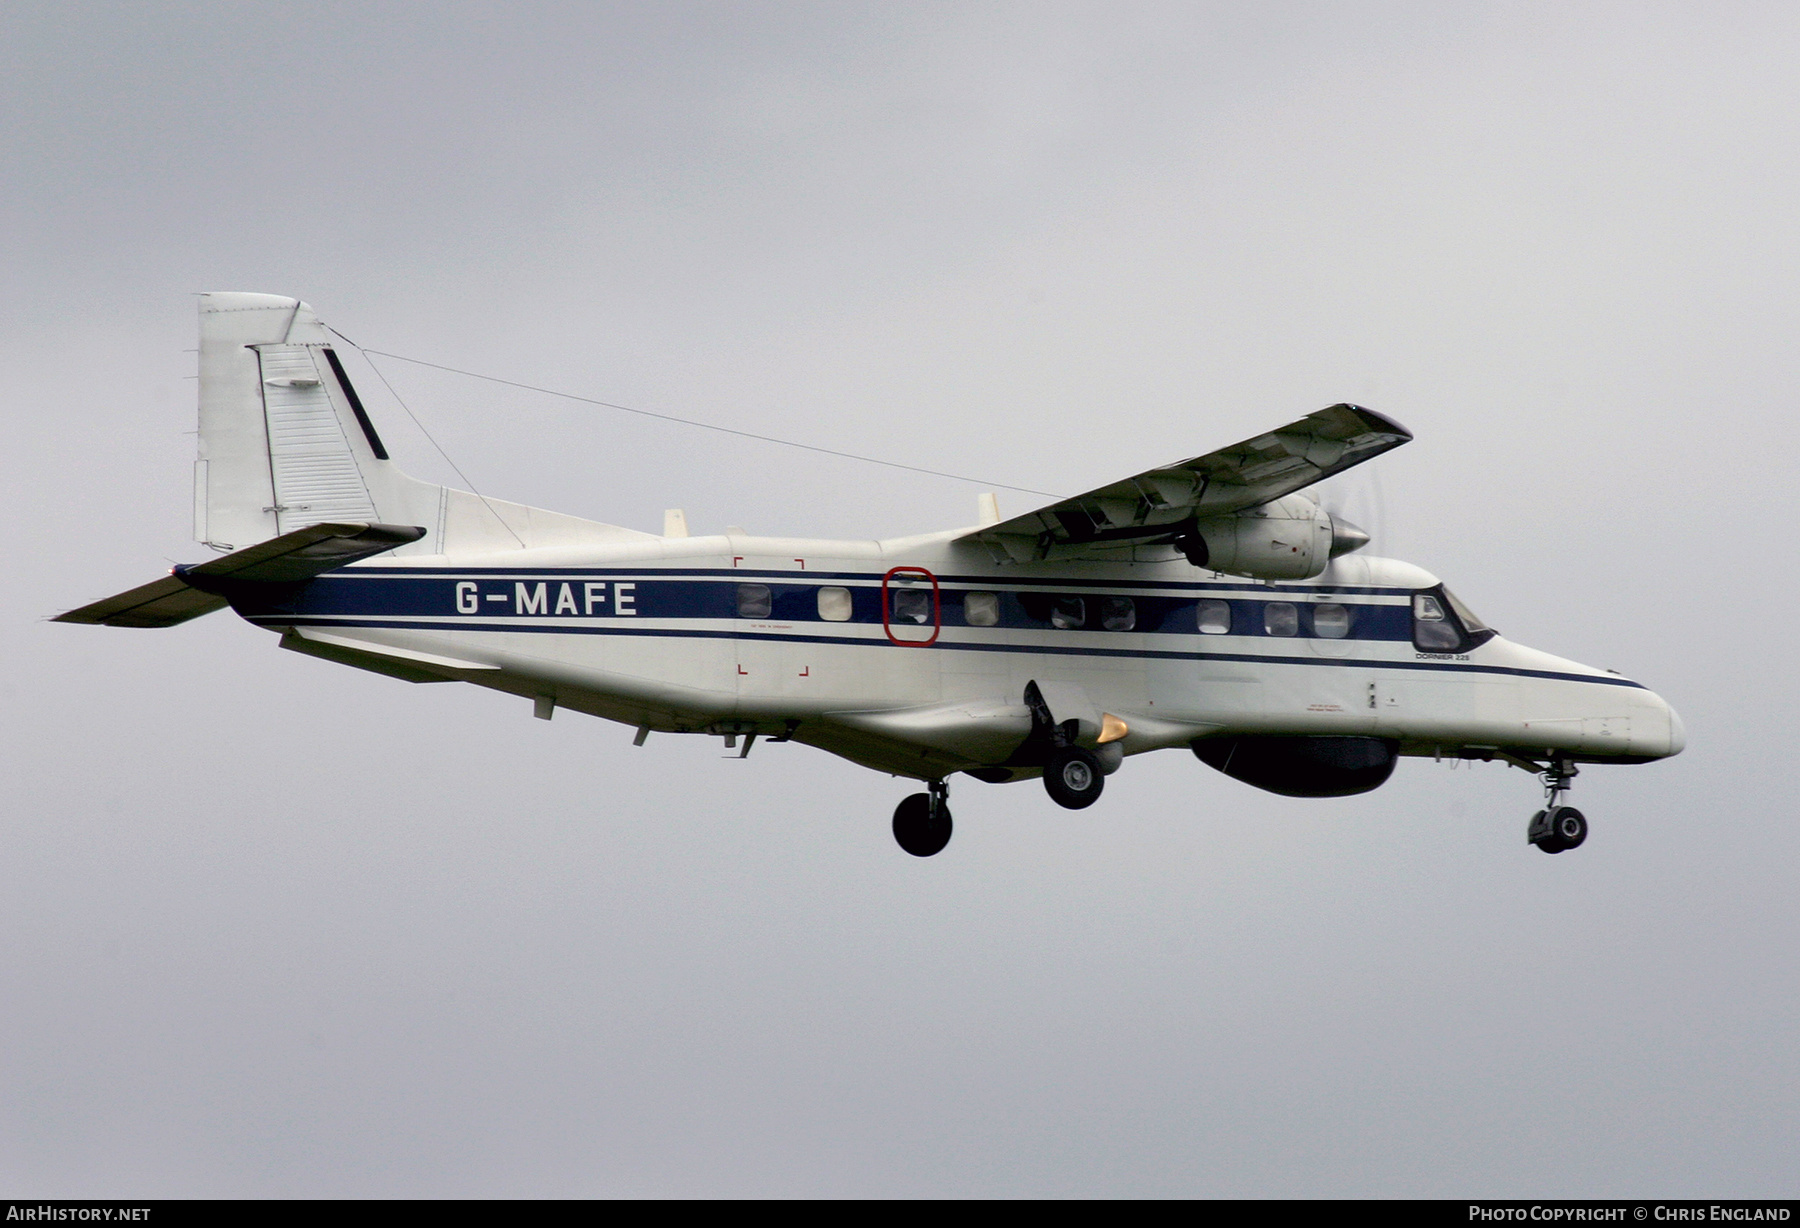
(1379, 422)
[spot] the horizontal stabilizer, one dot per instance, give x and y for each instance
(160, 603)
(306, 553)
(189, 591)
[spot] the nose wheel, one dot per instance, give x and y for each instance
(1557, 828)
(922, 821)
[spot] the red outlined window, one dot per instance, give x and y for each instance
(912, 608)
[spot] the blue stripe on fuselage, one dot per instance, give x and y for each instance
(621, 593)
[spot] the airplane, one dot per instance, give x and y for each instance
(1210, 604)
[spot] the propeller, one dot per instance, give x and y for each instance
(1345, 536)
(1352, 500)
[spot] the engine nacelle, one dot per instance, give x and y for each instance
(1317, 766)
(1290, 538)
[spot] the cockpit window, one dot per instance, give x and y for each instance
(1441, 623)
(1432, 629)
(1471, 624)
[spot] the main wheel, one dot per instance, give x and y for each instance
(1568, 827)
(920, 828)
(1073, 778)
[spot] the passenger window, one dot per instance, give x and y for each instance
(834, 605)
(1281, 618)
(1331, 621)
(911, 605)
(754, 601)
(1215, 617)
(1118, 613)
(1068, 613)
(1432, 629)
(981, 609)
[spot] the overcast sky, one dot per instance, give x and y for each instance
(269, 927)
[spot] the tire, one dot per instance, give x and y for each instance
(1073, 778)
(1568, 827)
(918, 830)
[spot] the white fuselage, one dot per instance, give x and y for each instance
(731, 635)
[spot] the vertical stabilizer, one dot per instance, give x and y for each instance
(286, 443)
(234, 483)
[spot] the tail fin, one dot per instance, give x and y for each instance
(285, 443)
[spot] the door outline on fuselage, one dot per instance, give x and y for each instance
(937, 607)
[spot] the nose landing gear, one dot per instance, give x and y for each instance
(922, 821)
(1557, 828)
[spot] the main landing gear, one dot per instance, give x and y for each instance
(1073, 777)
(922, 821)
(1557, 828)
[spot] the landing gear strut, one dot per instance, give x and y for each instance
(922, 821)
(1557, 828)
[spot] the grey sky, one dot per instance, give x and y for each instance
(275, 928)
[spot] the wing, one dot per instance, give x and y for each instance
(1163, 503)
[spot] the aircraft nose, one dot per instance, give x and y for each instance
(1677, 731)
(1666, 735)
